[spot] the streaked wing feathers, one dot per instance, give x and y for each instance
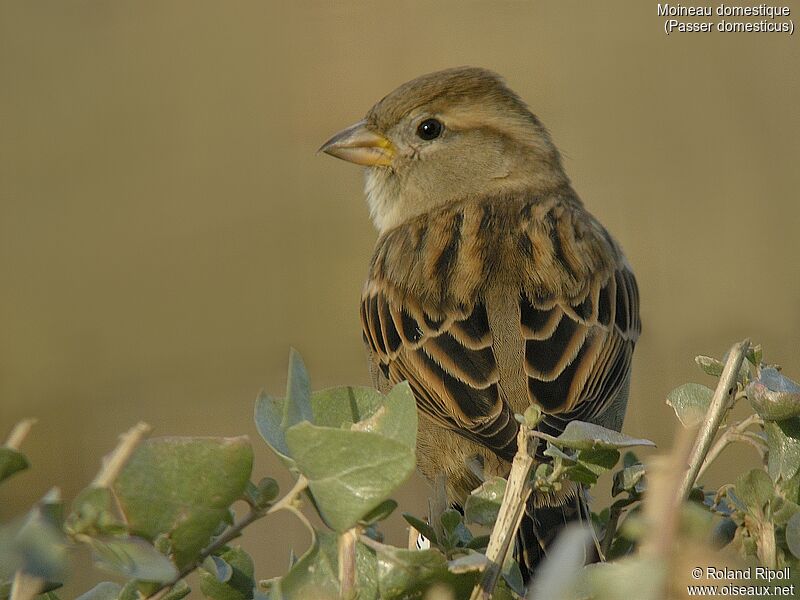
(449, 363)
(430, 314)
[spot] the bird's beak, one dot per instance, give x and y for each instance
(361, 146)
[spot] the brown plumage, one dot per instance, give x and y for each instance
(491, 286)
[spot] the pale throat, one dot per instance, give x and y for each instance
(391, 203)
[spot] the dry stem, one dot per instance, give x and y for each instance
(720, 403)
(19, 433)
(114, 462)
(347, 563)
(508, 519)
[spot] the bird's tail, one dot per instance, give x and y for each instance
(539, 528)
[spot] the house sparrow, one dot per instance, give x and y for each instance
(491, 287)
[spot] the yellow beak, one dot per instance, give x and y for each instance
(361, 146)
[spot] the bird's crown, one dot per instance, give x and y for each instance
(459, 85)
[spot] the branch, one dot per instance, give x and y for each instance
(508, 519)
(611, 530)
(732, 434)
(114, 462)
(230, 534)
(234, 531)
(25, 587)
(720, 404)
(347, 563)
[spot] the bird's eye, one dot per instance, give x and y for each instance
(430, 129)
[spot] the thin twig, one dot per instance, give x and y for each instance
(347, 563)
(611, 530)
(662, 508)
(732, 434)
(437, 505)
(288, 500)
(114, 462)
(511, 512)
(234, 531)
(413, 536)
(25, 587)
(720, 404)
(230, 534)
(19, 433)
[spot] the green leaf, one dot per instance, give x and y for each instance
(421, 527)
(710, 365)
(366, 572)
(532, 415)
(591, 463)
(629, 459)
(755, 489)
(474, 561)
(315, 574)
(395, 418)
(340, 407)
(783, 510)
(690, 402)
(629, 479)
(783, 439)
(183, 487)
(35, 543)
(636, 577)
(381, 512)
(179, 590)
(559, 455)
(216, 566)
(403, 573)
(599, 459)
(268, 418)
(93, 513)
(755, 355)
(579, 473)
(262, 495)
(773, 396)
(512, 576)
(723, 533)
(11, 461)
(483, 503)
(130, 591)
(230, 577)
(349, 472)
(132, 557)
(297, 407)
(793, 535)
(583, 436)
(455, 532)
(103, 591)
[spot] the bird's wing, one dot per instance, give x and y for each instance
(577, 320)
(580, 332)
(578, 352)
(447, 360)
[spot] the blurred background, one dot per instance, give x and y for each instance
(167, 230)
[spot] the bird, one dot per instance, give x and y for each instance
(491, 287)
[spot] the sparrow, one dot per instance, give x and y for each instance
(491, 287)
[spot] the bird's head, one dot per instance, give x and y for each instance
(444, 137)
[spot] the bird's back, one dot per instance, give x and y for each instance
(488, 305)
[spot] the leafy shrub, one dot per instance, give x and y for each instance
(160, 509)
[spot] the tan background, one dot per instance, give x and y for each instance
(167, 231)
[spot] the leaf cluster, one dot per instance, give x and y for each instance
(168, 510)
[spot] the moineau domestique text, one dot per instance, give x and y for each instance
(747, 574)
(723, 10)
